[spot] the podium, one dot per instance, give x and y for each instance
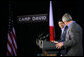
(48, 48)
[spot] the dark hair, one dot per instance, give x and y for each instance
(60, 20)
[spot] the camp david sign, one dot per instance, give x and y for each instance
(33, 18)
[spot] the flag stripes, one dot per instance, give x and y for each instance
(11, 45)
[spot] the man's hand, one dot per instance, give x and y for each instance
(59, 45)
(55, 42)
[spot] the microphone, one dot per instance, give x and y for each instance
(40, 34)
(44, 37)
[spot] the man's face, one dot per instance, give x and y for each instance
(61, 24)
(66, 23)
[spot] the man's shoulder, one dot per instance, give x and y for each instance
(75, 26)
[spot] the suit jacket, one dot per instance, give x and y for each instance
(62, 39)
(63, 35)
(73, 41)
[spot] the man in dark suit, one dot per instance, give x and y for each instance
(73, 40)
(63, 28)
(63, 31)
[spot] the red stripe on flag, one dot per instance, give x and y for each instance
(10, 34)
(14, 36)
(11, 40)
(12, 46)
(9, 44)
(52, 33)
(13, 30)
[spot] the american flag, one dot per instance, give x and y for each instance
(11, 44)
(11, 41)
